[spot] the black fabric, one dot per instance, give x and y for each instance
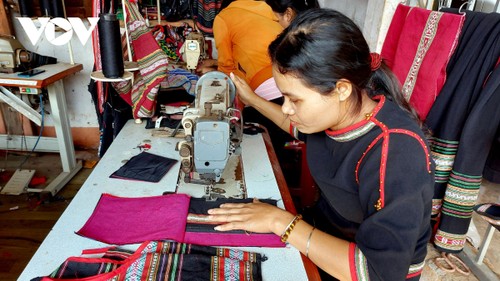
(115, 115)
(166, 122)
(145, 167)
(175, 10)
(466, 112)
(492, 213)
(397, 235)
(201, 206)
(492, 168)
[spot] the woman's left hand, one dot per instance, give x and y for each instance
(254, 217)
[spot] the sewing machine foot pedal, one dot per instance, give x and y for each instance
(18, 182)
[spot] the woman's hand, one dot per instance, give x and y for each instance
(244, 92)
(254, 217)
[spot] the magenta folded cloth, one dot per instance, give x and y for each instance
(123, 220)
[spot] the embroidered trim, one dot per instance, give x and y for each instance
(461, 194)
(353, 134)
(383, 159)
(436, 206)
(426, 40)
(293, 131)
(443, 152)
(358, 263)
(359, 129)
(449, 241)
(415, 270)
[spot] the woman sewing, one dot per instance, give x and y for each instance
(365, 149)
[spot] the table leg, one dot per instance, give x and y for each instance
(62, 127)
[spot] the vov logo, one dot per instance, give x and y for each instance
(48, 25)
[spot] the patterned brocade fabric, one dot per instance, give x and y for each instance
(417, 48)
(162, 260)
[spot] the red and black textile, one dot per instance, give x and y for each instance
(464, 120)
(162, 260)
(152, 62)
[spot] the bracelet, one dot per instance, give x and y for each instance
(289, 228)
(309, 241)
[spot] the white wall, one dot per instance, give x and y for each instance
(487, 6)
(372, 17)
(80, 107)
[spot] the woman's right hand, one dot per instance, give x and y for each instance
(243, 90)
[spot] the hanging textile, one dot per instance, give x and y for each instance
(464, 120)
(161, 261)
(204, 11)
(122, 220)
(171, 38)
(112, 112)
(417, 48)
(152, 63)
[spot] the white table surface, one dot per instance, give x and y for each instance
(62, 242)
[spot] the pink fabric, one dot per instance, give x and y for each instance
(418, 46)
(124, 220)
(268, 90)
(120, 220)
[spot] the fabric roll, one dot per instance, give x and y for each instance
(46, 8)
(152, 61)
(57, 8)
(110, 46)
(26, 8)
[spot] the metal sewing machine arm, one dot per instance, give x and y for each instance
(213, 130)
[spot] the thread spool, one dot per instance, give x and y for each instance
(110, 46)
(45, 8)
(57, 9)
(26, 8)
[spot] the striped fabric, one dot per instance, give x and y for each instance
(268, 90)
(205, 11)
(443, 152)
(152, 62)
(162, 261)
(464, 120)
(359, 266)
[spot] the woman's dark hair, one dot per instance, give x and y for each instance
(280, 6)
(322, 46)
(225, 3)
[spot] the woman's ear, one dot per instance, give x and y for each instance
(289, 15)
(344, 89)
